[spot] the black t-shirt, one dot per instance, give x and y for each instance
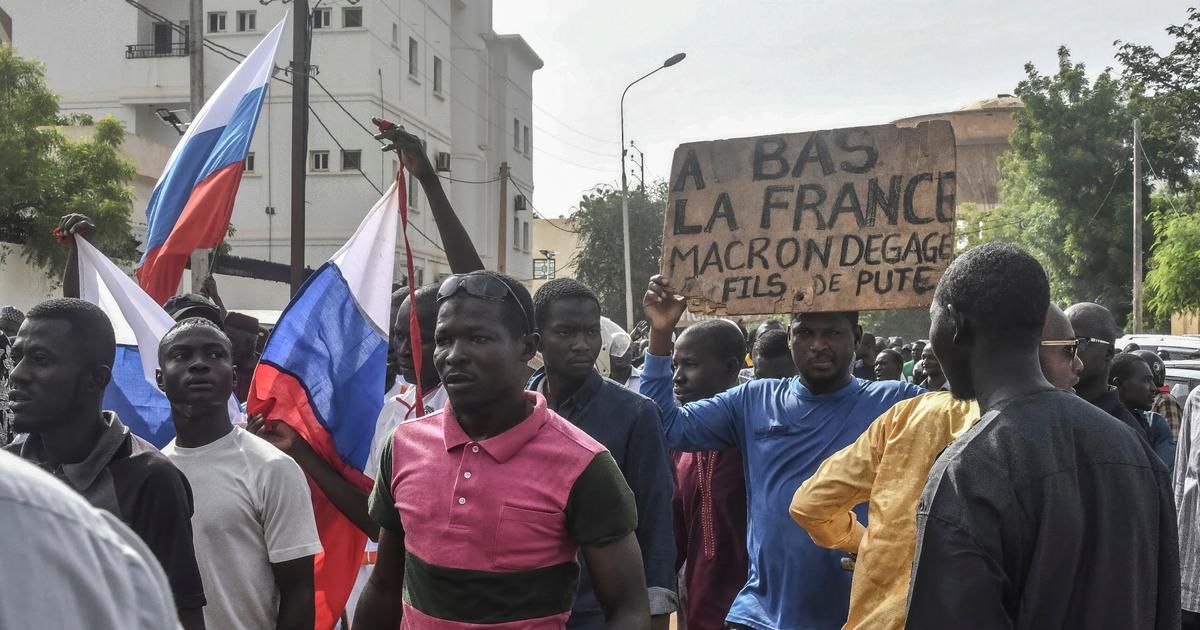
(127, 476)
(1048, 513)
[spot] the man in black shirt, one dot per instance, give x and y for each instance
(1048, 513)
(63, 357)
(1097, 333)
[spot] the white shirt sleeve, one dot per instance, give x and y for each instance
(289, 525)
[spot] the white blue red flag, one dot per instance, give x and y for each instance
(193, 200)
(139, 324)
(323, 373)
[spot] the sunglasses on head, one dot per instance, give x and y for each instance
(1069, 346)
(483, 286)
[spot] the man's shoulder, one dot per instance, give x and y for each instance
(614, 393)
(572, 439)
(143, 455)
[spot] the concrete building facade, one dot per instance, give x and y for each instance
(434, 66)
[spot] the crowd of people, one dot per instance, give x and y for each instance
(1016, 471)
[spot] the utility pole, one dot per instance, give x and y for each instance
(1137, 226)
(502, 244)
(195, 43)
(300, 65)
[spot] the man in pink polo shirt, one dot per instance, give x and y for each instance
(483, 506)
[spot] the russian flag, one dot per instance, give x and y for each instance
(139, 323)
(193, 200)
(322, 372)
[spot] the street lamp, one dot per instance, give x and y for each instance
(674, 59)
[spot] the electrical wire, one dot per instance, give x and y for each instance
(1167, 196)
(529, 200)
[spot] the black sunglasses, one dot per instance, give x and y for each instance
(1070, 346)
(483, 286)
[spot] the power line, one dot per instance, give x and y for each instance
(1116, 176)
(1171, 201)
(529, 199)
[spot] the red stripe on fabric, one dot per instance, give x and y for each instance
(414, 327)
(202, 223)
(280, 396)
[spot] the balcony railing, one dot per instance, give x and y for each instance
(147, 51)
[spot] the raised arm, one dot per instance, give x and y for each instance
(345, 496)
(704, 425)
(70, 227)
(460, 251)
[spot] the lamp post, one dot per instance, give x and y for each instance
(674, 59)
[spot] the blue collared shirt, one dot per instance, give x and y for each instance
(784, 432)
(627, 425)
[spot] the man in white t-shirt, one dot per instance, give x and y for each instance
(254, 530)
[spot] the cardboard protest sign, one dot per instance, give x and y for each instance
(843, 219)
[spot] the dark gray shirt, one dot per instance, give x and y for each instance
(1047, 514)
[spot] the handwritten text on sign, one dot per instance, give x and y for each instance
(848, 219)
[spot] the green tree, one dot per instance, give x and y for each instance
(1173, 281)
(44, 175)
(600, 261)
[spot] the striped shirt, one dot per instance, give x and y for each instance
(1187, 501)
(492, 527)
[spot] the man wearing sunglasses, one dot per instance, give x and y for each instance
(483, 505)
(1097, 333)
(1059, 350)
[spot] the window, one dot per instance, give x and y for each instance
(437, 75)
(352, 17)
(395, 34)
(412, 192)
(516, 233)
(247, 21)
(319, 160)
(216, 22)
(249, 166)
(413, 50)
(516, 134)
(525, 236)
(322, 18)
(526, 140)
(162, 38)
(351, 159)
(543, 268)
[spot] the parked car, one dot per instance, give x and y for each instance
(1182, 378)
(1179, 346)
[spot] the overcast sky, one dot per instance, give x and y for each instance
(767, 66)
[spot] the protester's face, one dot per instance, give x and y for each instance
(698, 374)
(823, 346)
(1060, 364)
(51, 380)
(571, 337)
(1137, 389)
(933, 367)
(621, 366)
(887, 368)
(953, 360)
(782, 366)
(401, 347)
(196, 368)
(480, 361)
(1097, 356)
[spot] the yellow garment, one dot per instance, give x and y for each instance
(887, 466)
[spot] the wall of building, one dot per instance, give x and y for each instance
(554, 238)
(367, 68)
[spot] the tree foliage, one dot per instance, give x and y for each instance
(1173, 281)
(600, 261)
(1066, 183)
(44, 175)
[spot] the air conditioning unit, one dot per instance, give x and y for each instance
(519, 203)
(442, 161)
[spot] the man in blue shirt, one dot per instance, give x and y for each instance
(785, 429)
(567, 314)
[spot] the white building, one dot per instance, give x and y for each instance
(434, 66)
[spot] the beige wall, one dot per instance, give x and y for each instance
(554, 235)
(1185, 323)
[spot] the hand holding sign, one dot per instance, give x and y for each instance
(847, 219)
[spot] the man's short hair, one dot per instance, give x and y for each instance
(559, 289)
(851, 316)
(190, 323)
(427, 304)
(91, 329)
(1094, 319)
(518, 306)
(1123, 364)
(723, 339)
(1002, 288)
(896, 356)
(772, 344)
